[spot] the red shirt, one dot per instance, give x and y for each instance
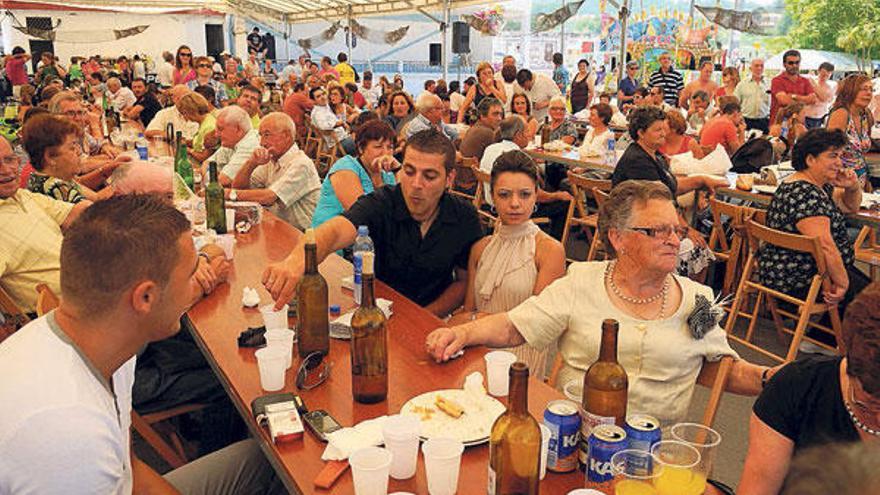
(719, 130)
(16, 72)
(782, 83)
(296, 105)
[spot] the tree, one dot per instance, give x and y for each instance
(863, 39)
(820, 24)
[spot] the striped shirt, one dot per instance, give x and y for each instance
(672, 83)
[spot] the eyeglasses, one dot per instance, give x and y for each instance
(313, 371)
(10, 160)
(793, 62)
(182, 54)
(661, 232)
(557, 108)
(204, 66)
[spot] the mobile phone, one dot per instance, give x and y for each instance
(321, 423)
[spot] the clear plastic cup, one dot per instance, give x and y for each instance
(401, 436)
(442, 464)
(545, 448)
(282, 339)
(679, 469)
(497, 371)
(574, 391)
(702, 438)
(271, 361)
(272, 319)
(634, 472)
(230, 220)
(227, 243)
(369, 468)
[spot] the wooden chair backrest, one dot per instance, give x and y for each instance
(795, 242)
(600, 196)
(582, 186)
(718, 241)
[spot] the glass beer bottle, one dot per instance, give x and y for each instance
(181, 163)
(545, 132)
(369, 342)
(313, 321)
(215, 203)
(605, 389)
(515, 442)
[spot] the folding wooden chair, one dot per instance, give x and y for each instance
(582, 189)
(483, 180)
(728, 250)
(326, 154)
(868, 250)
(713, 375)
(469, 164)
(11, 316)
(174, 453)
(759, 235)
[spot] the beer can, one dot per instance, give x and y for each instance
(564, 421)
(605, 441)
(642, 431)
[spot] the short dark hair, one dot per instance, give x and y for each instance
(454, 87)
(206, 91)
(363, 118)
(434, 142)
(251, 88)
(373, 130)
(18, 50)
(557, 58)
(791, 53)
(513, 161)
(97, 76)
(700, 95)
(604, 111)
(730, 106)
(641, 118)
(471, 80)
(583, 61)
(139, 79)
(314, 90)
(508, 73)
(523, 76)
(298, 86)
(104, 252)
(351, 87)
(814, 143)
(486, 104)
(43, 133)
(342, 57)
(430, 82)
(826, 66)
(642, 91)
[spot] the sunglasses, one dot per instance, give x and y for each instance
(313, 371)
(186, 54)
(204, 66)
(793, 62)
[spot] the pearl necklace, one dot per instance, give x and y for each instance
(664, 292)
(856, 421)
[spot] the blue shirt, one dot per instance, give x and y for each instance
(628, 85)
(328, 204)
(560, 77)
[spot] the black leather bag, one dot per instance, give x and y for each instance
(751, 156)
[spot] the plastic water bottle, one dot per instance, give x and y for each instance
(141, 146)
(783, 133)
(362, 244)
(611, 153)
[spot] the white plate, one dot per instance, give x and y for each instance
(471, 428)
(763, 188)
(870, 199)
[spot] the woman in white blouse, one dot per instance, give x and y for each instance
(596, 140)
(638, 287)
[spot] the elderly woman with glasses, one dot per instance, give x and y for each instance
(818, 401)
(661, 348)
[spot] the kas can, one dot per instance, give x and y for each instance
(564, 421)
(605, 441)
(642, 432)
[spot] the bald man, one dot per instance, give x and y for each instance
(430, 109)
(121, 97)
(170, 115)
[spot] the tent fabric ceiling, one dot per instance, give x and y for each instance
(290, 11)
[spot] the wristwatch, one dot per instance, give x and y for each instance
(233, 195)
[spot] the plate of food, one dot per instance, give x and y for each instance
(557, 145)
(464, 415)
(765, 189)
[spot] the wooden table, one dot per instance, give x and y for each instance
(570, 158)
(217, 320)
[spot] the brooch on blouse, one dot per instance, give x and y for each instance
(706, 315)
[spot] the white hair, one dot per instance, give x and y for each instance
(281, 120)
(237, 116)
(557, 100)
(425, 101)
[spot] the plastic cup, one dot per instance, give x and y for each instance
(271, 361)
(282, 339)
(679, 472)
(442, 464)
(401, 436)
(585, 491)
(227, 242)
(702, 438)
(497, 371)
(574, 391)
(274, 320)
(634, 472)
(230, 220)
(369, 468)
(545, 448)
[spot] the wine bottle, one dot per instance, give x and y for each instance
(515, 442)
(181, 163)
(605, 389)
(545, 132)
(369, 342)
(313, 321)
(215, 204)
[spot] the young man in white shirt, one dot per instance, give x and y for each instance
(540, 89)
(65, 400)
(826, 90)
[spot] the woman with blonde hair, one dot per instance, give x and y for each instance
(194, 107)
(851, 115)
(487, 86)
(729, 80)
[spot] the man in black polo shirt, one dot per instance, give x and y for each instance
(423, 234)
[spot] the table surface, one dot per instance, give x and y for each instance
(572, 158)
(217, 320)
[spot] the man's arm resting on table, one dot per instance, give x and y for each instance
(265, 197)
(145, 481)
(452, 297)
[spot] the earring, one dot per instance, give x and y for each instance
(492, 210)
(535, 208)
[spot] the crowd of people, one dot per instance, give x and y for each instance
(399, 172)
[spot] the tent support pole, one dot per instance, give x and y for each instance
(562, 36)
(444, 57)
(350, 37)
(624, 14)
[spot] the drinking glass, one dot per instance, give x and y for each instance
(635, 472)
(679, 469)
(702, 438)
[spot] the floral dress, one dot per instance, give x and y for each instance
(791, 271)
(62, 190)
(858, 143)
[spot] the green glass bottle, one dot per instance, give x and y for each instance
(181, 163)
(215, 203)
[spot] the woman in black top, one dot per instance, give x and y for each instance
(581, 91)
(812, 202)
(818, 401)
(487, 87)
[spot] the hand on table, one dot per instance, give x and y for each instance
(280, 280)
(110, 150)
(442, 343)
(209, 274)
(711, 183)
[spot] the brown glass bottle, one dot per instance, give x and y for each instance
(313, 322)
(545, 132)
(605, 389)
(369, 342)
(515, 442)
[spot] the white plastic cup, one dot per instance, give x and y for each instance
(369, 468)
(442, 464)
(574, 391)
(230, 220)
(401, 436)
(282, 339)
(497, 371)
(271, 361)
(545, 448)
(585, 491)
(274, 320)
(227, 242)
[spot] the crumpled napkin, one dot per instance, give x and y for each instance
(384, 305)
(342, 443)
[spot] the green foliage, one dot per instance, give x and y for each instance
(835, 24)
